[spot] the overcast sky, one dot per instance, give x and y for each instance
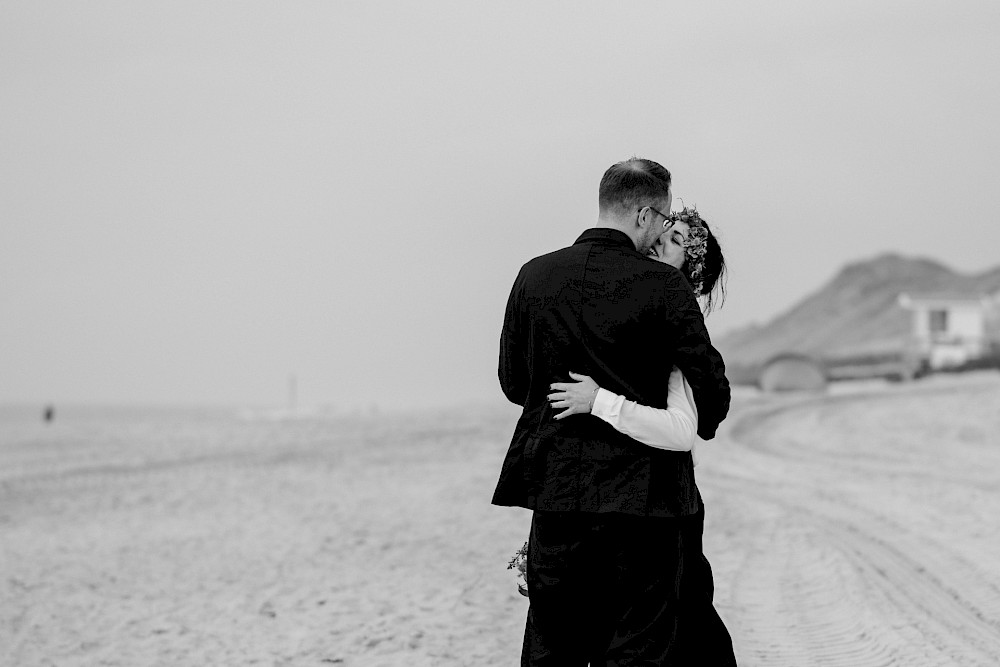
(198, 199)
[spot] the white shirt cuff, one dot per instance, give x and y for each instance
(607, 405)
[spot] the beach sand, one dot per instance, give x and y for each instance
(857, 528)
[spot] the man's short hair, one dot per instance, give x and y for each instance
(632, 184)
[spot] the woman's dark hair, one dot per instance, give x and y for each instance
(713, 274)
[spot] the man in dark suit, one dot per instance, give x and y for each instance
(610, 515)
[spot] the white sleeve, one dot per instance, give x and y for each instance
(674, 427)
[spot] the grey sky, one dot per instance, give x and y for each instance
(199, 198)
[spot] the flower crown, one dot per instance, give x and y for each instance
(695, 246)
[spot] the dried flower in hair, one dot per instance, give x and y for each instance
(695, 246)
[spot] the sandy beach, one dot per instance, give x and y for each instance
(856, 528)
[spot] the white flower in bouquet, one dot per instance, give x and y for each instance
(519, 563)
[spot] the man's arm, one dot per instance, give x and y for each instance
(700, 363)
(513, 368)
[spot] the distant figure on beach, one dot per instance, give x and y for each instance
(614, 567)
(50, 413)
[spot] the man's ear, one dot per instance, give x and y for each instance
(640, 220)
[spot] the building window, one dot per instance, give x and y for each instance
(938, 321)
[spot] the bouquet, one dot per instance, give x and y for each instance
(519, 563)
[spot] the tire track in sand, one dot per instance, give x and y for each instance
(824, 568)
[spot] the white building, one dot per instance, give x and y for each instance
(950, 329)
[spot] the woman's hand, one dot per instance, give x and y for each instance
(577, 397)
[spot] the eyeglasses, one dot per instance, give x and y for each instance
(666, 218)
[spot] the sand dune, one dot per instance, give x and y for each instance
(854, 529)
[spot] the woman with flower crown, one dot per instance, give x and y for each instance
(690, 246)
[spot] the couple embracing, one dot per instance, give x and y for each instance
(604, 346)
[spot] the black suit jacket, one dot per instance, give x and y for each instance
(603, 309)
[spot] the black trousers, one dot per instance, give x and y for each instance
(612, 590)
(702, 637)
